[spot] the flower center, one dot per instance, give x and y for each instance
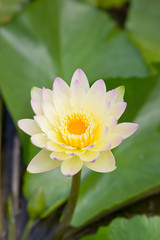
(77, 129)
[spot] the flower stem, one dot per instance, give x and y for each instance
(27, 229)
(69, 210)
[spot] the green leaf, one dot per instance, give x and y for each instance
(137, 167)
(143, 25)
(8, 8)
(52, 38)
(108, 3)
(137, 228)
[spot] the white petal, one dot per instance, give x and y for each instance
(71, 166)
(111, 96)
(115, 139)
(104, 163)
(119, 94)
(60, 156)
(61, 86)
(50, 113)
(43, 123)
(36, 106)
(61, 102)
(52, 146)
(125, 129)
(39, 140)
(47, 95)
(81, 77)
(110, 122)
(96, 95)
(29, 126)
(102, 145)
(89, 156)
(77, 94)
(36, 93)
(74, 152)
(42, 163)
(56, 137)
(117, 109)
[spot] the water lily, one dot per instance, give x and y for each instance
(76, 125)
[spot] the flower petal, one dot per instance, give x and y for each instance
(71, 166)
(104, 163)
(117, 109)
(61, 102)
(43, 123)
(36, 93)
(42, 163)
(119, 94)
(89, 156)
(111, 96)
(81, 77)
(60, 156)
(52, 146)
(77, 94)
(39, 140)
(36, 106)
(61, 86)
(29, 126)
(47, 95)
(74, 152)
(102, 145)
(50, 113)
(115, 139)
(96, 95)
(110, 122)
(125, 129)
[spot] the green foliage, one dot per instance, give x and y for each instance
(143, 25)
(52, 38)
(36, 203)
(137, 228)
(8, 8)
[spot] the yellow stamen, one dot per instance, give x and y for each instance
(77, 129)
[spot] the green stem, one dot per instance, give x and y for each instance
(27, 229)
(69, 210)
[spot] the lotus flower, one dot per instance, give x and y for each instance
(76, 125)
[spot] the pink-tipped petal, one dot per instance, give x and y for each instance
(117, 109)
(52, 146)
(71, 166)
(125, 129)
(111, 96)
(39, 140)
(104, 163)
(81, 77)
(47, 95)
(29, 126)
(60, 156)
(102, 145)
(42, 163)
(61, 86)
(89, 156)
(36, 93)
(110, 122)
(115, 139)
(36, 106)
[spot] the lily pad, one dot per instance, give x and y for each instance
(139, 228)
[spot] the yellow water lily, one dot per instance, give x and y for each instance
(76, 125)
